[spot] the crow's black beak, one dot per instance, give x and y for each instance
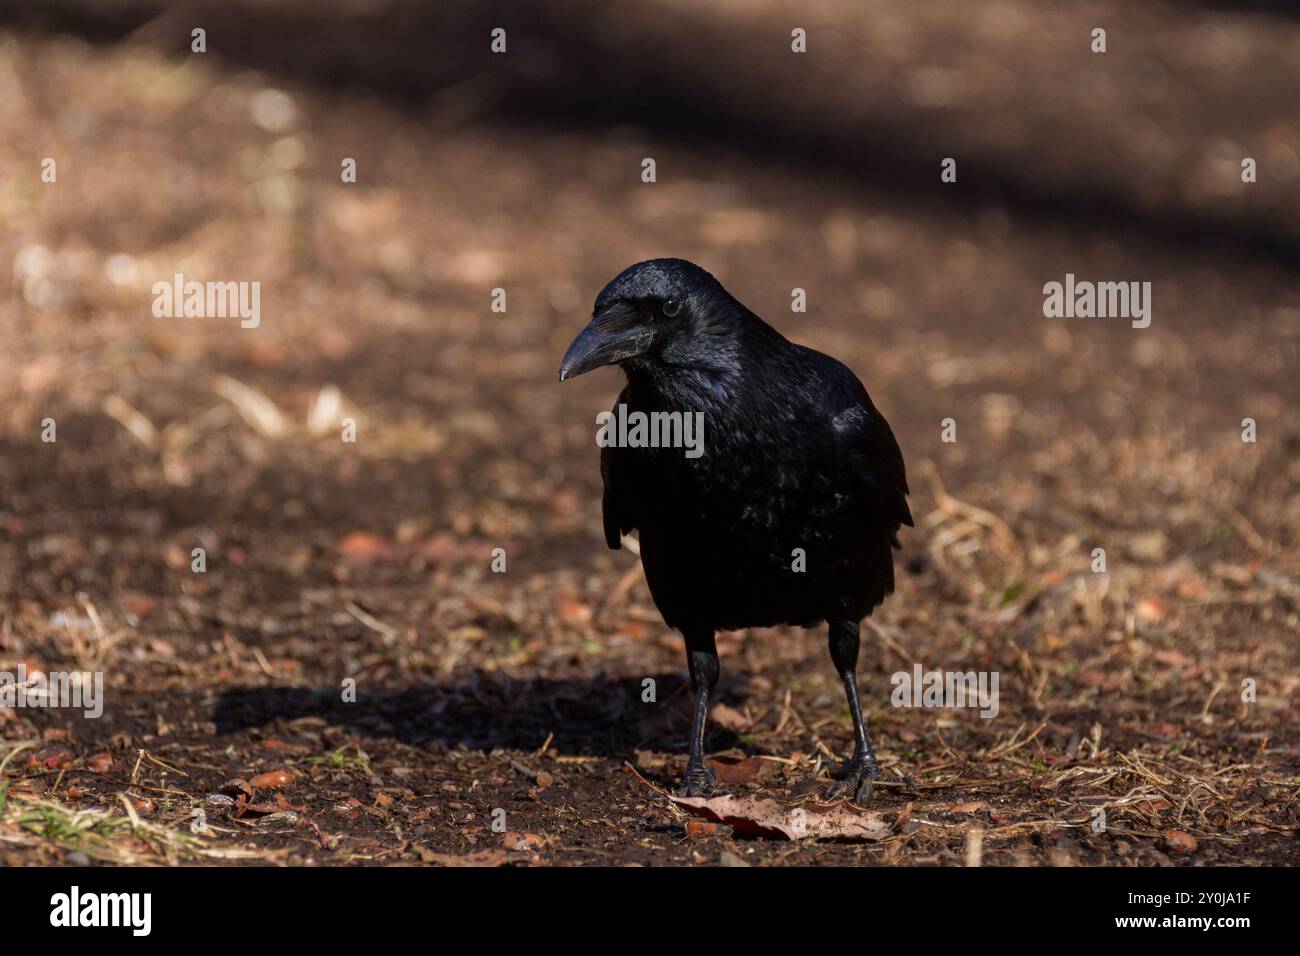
(614, 335)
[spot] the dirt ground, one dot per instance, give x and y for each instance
(226, 736)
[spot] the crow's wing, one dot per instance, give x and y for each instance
(864, 441)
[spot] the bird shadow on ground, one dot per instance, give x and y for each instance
(601, 716)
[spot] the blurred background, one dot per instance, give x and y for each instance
(522, 171)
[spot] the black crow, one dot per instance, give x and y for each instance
(790, 514)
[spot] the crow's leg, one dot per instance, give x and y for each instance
(702, 657)
(860, 770)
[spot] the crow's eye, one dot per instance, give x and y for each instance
(671, 307)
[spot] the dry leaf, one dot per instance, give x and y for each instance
(271, 780)
(363, 546)
(575, 613)
(769, 818)
(523, 842)
(695, 827)
(728, 718)
(1178, 841)
(1149, 609)
(732, 770)
(100, 763)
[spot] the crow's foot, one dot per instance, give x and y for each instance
(699, 781)
(860, 773)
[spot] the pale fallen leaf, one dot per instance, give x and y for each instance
(770, 818)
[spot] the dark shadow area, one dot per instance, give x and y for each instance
(600, 716)
(568, 69)
(1286, 8)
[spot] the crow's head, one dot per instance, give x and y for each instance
(657, 314)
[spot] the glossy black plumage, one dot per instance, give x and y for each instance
(795, 456)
